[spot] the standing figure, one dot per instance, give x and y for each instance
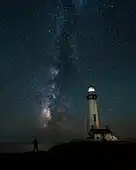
(35, 144)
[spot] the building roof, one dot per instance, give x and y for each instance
(100, 131)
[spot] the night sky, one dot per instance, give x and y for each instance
(50, 52)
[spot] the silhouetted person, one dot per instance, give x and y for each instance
(35, 143)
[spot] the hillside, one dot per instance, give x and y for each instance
(80, 152)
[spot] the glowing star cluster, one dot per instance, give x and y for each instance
(51, 93)
(54, 72)
(45, 116)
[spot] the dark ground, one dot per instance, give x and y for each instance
(107, 155)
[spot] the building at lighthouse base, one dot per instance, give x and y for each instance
(101, 135)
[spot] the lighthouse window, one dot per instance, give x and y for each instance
(94, 117)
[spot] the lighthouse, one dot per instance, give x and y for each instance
(92, 117)
(93, 129)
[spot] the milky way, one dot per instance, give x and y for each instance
(64, 38)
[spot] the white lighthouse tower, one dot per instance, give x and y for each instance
(92, 118)
(93, 129)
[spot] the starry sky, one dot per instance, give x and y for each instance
(50, 52)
